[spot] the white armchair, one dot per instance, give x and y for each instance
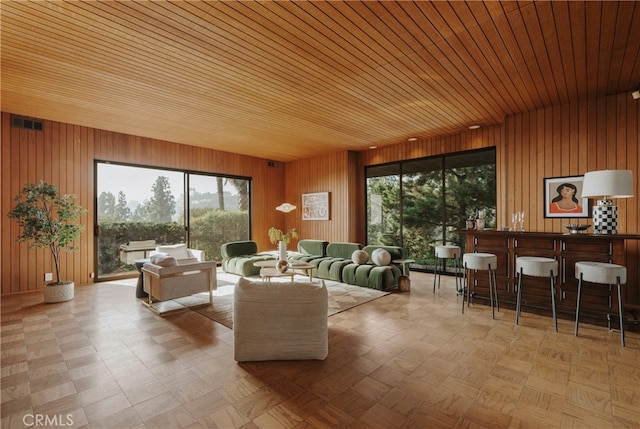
(166, 279)
(180, 252)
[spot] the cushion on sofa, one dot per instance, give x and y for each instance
(163, 260)
(178, 251)
(381, 257)
(342, 250)
(238, 248)
(396, 252)
(359, 257)
(313, 247)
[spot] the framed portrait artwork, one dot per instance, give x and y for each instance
(563, 197)
(315, 206)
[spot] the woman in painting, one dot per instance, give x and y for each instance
(566, 201)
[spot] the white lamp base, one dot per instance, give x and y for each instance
(605, 218)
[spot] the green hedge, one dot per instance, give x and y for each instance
(208, 232)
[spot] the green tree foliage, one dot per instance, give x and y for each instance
(122, 212)
(383, 212)
(212, 228)
(106, 206)
(161, 206)
(431, 209)
(48, 219)
(113, 234)
(242, 186)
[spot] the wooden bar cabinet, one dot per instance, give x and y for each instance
(567, 249)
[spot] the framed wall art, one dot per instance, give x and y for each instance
(315, 206)
(563, 197)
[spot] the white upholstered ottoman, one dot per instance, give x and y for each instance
(279, 320)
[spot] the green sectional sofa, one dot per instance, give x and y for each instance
(383, 277)
(238, 257)
(309, 250)
(338, 256)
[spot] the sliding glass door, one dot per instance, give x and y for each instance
(139, 208)
(218, 212)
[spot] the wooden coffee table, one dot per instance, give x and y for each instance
(268, 269)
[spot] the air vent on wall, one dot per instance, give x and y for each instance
(27, 123)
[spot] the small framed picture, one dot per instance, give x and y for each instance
(563, 197)
(315, 206)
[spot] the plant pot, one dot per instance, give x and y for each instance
(59, 292)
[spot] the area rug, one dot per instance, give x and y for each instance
(341, 297)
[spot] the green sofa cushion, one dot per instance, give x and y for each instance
(342, 250)
(313, 247)
(395, 251)
(238, 248)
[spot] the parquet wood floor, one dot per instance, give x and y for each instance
(406, 360)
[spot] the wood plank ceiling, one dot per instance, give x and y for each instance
(288, 80)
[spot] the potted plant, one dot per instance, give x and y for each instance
(48, 220)
(277, 236)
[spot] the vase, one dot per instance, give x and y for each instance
(282, 250)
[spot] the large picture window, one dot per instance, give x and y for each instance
(419, 204)
(139, 208)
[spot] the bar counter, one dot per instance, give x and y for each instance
(596, 304)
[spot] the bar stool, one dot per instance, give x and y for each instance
(602, 273)
(442, 254)
(481, 262)
(535, 266)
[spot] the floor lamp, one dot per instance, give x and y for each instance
(607, 184)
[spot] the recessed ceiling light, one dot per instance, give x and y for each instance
(412, 139)
(474, 127)
(373, 147)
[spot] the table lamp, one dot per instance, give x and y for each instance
(607, 184)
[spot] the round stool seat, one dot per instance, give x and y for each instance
(536, 266)
(447, 252)
(601, 272)
(444, 252)
(479, 261)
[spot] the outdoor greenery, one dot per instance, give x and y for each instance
(215, 218)
(113, 234)
(422, 209)
(48, 220)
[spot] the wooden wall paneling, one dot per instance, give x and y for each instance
(24, 178)
(64, 156)
(591, 136)
(36, 164)
(536, 163)
(548, 161)
(5, 204)
(611, 131)
(601, 133)
(528, 176)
